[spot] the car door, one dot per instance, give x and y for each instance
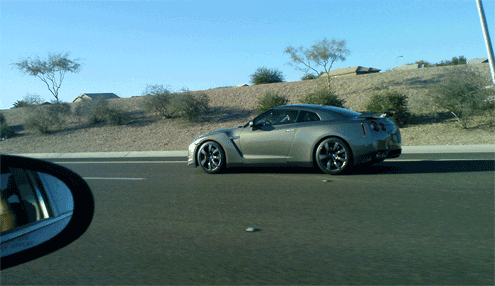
(270, 138)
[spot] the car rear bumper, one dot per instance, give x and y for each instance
(394, 153)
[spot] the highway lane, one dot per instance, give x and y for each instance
(423, 219)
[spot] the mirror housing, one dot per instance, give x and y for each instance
(63, 210)
(252, 125)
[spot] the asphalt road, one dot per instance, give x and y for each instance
(423, 219)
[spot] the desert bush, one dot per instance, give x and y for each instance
(98, 110)
(323, 96)
(189, 106)
(5, 130)
(59, 112)
(387, 100)
(20, 103)
(92, 111)
(265, 75)
(47, 118)
(463, 94)
(116, 116)
(270, 100)
(157, 99)
(308, 77)
(461, 60)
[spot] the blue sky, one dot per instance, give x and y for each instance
(126, 45)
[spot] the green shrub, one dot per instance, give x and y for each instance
(190, 106)
(463, 94)
(59, 113)
(98, 110)
(92, 111)
(270, 100)
(21, 103)
(265, 75)
(308, 77)
(323, 96)
(157, 99)
(47, 118)
(388, 100)
(5, 130)
(117, 116)
(461, 60)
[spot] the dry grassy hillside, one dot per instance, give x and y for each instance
(234, 106)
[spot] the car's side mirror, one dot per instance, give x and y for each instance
(252, 125)
(44, 207)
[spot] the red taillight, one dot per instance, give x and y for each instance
(382, 126)
(374, 126)
(364, 129)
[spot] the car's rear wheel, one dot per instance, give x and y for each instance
(211, 157)
(333, 156)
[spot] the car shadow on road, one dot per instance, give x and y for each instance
(384, 168)
(425, 166)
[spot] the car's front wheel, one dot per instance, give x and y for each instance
(333, 156)
(210, 157)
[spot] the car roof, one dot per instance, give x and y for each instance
(321, 109)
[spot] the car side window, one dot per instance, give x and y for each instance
(307, 116)
(276, 117)
(288, 117)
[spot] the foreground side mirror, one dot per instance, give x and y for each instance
(44, 207)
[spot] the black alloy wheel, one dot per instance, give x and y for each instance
(210, 157)
(333, 156)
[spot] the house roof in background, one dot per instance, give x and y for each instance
(477, 61)
(351, 70)
(105, 95)
(96, 95)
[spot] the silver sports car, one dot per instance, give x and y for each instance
(332, 138)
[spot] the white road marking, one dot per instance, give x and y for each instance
(423, 160)
(102, 178)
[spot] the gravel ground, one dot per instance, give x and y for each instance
(234, 106)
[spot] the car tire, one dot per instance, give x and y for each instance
(210, 157)
(333, 156)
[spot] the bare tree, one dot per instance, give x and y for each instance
(51, 70)
(323, 53)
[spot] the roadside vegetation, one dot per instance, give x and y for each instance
(6, 131)
(161, 101)
(264, 75)
(321, 55)
(270, 100)
(450, 95)
(99, 110)
(390, 100)
(465, 95)
(323, 96)
(461, 60)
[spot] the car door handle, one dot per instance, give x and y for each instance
(289, 130)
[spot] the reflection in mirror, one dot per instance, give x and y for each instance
(34, 207)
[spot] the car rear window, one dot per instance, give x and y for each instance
(307, 116)
(342, 112)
